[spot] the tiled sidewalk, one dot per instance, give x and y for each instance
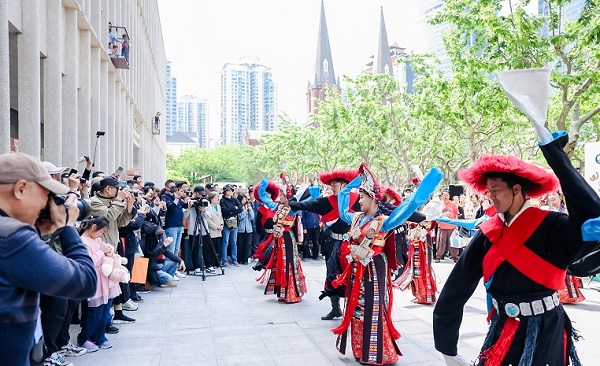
(227, 320)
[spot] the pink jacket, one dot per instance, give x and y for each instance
(103, 292)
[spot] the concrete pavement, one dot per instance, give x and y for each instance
(227, 320)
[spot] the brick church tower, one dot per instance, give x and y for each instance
(324, 78)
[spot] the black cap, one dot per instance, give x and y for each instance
(108, 181)
(227, 187)
(210, 186)
(199, 189)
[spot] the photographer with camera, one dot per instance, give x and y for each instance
(176, 200)
(199, 235)
(26, 189)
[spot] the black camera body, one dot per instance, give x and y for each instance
(59, 200)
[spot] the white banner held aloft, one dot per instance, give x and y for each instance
(529, 90)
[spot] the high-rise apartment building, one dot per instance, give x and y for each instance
(63, 95)
(433, 34)
(193, 117)
(171, 118)
(570, 11)
(247, 100)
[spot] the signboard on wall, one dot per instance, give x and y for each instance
(592, 165)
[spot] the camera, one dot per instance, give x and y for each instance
(201, 203)
(59, 200)
(189, 193)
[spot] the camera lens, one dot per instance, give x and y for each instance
(84, 209)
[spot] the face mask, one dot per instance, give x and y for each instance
(173, 189)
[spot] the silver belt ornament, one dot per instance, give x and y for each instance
(338, 236)
(534, 307)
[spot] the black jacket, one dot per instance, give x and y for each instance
(228, 207)
(127, 233)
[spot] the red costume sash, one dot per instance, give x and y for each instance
(266, 213)
(508, 244)
(334, 213)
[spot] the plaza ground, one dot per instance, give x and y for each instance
(226, 320)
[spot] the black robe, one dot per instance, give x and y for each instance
(558, 240)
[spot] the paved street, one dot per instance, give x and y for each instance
(227, 320)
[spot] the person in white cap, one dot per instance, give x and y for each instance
(26, 189)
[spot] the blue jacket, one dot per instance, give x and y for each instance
(174, 215)
(310, 220)
(245, 219)
(69, 276)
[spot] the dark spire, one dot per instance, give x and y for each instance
(324, 73)
(383, 60)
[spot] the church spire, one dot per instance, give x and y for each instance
(383, 59)
(324, 73)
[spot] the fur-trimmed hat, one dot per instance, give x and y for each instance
(396, 199)
(540, 181)
(272, 189)
(345, 175)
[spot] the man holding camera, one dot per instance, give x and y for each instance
(25, 187)
(198, 231)
(230, 207)
(116, 205)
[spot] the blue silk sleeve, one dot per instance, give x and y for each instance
(264, 196)
(315, 192)
(467, 224)
(414, 201)
(590, 230)
(344, 200)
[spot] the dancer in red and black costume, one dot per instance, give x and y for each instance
(264, 226)
(327, 207)
(522, 252)
(283, 273)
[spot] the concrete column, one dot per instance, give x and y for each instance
(102, 154)
(29, 80)
(96, 19)
(4, 80)
(84, 132)
(53, 99)
(118, 125)
(70, 84)
(110, 130)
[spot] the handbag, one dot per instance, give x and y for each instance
(139, 270)
(231, 223)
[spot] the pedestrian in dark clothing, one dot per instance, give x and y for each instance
(312, 230)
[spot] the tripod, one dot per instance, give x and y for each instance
(198, 241)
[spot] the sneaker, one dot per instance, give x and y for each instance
(71, 350)
(170, 284)
(210, 270)
(236, 264)
(175, 278)
(130, 306)
(137, 298)
(110, 329)
(142, 290)
(179, 274)
(56, 359)
(226, 265)
(123, 319)
(106, 344)
(90, 346)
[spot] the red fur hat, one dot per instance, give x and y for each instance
(540, 181)
(346, 175)
(272, 189)
(395, 196)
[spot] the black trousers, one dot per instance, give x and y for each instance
(64, 336)
(244, 245)
(311, 235)
(208, 251)
(54, 312)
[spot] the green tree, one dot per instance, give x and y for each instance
(491, 40)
